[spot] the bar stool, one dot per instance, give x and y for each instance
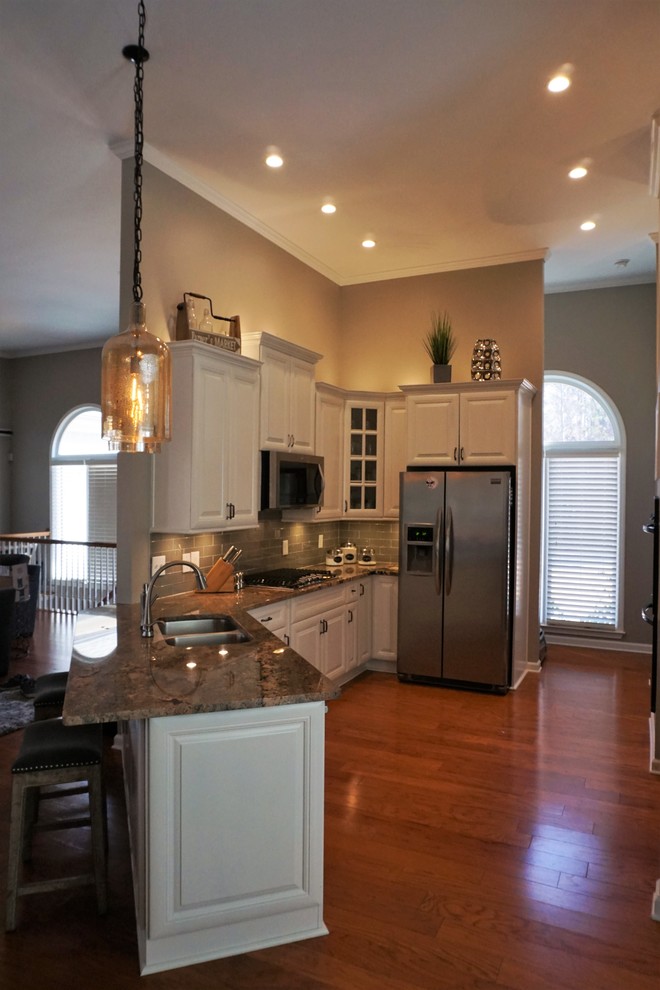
(52, 753)
(49, 691)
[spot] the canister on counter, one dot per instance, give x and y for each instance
(349, 551)
(367, 556)
(334, 558)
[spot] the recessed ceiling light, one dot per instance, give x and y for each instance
(587, 225)
(561, 79)
(578, 172)
(274, 158)
(368, 243)
(328, 208)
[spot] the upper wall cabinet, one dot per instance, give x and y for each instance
(468, 423)
(287, 392)
(330, 446)
(364, 460)
(206, 477)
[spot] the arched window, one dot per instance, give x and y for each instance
(583, 476)
(83, 480)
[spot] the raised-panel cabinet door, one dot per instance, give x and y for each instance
(242, 440)
(306, 640)
(330, 446)
(488, 428)
(396, 438)
(364, 647)
(384, 616)
(333, 642)
(432, 429)
(209, 445)
(301, 396)
(275, 401)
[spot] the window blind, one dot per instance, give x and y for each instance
(581, 535)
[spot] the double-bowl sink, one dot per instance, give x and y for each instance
(201, 630)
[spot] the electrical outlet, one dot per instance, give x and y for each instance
(320, 541)
(186, 556)
(194, 557)
(157, 562)
(285, 547)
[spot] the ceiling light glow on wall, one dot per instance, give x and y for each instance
(135, 371)
(274, 158)
(328, 208)
(587, 225)
(561, 79)
(368, 242)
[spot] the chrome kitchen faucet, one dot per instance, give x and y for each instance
(147, 598)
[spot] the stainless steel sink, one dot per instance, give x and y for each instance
(201, 630)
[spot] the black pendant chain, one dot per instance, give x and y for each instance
(138, 54)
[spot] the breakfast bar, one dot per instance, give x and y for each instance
(223, 754)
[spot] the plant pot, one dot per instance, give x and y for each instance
(440, 373)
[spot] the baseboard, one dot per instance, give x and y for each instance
(385, 666)
(598, 644)
(654, 765)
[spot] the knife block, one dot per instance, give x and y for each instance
(220, 579)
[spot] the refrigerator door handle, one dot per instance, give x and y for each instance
(437, 559)
(449, 551)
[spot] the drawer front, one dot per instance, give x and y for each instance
(272, 616)
(316, 602)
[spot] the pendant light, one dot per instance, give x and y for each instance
(135, 381)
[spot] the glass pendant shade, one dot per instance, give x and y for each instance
(135, 388)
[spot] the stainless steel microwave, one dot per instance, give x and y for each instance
(290, 481)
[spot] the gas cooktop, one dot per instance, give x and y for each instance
(288, 577)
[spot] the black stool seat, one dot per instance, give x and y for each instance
(52, 754)
(49, 691)
(51, 745)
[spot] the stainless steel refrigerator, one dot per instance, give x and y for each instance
(456, 558)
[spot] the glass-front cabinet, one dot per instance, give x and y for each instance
(363, 486)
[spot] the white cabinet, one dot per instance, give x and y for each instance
(226, 828)
(395, 452)
(318, 629)
(330, 446)
(359, 605)
(471, 423)
(206, 477)
(364, 460)
(275, 618)
(385, 590)
(287, 392)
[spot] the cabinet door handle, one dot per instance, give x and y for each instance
(350, 616)
(267, 618)
(456, 453)
(286, 639)
(361, 589)
(462, 453)
(345, 505)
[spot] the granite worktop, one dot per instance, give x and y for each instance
(115, 674)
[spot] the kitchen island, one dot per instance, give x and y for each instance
(223, 754)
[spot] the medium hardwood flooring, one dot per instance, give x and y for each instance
(472, 842)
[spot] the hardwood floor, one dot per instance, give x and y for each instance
(472, 842)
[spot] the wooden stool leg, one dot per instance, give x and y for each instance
(18, 802)
(97, 813)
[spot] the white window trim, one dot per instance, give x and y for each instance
(577, 449)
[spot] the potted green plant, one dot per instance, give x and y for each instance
(440, 344)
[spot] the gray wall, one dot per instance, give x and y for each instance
(608, 336)
(43, 389)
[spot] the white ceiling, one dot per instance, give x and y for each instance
(427, 122)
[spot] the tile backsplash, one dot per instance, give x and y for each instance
(262, 547)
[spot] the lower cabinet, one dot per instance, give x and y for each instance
(338, 630)
(225, 814)
(275, 618)
(385, 590)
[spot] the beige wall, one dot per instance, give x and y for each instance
(384, 324)
(189, 245)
